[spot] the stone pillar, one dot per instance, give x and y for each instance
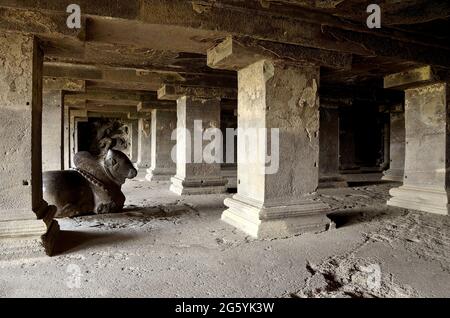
(56, 122)
(329, 176)
(24, 216)
(67, 141)
(52, 130)
(196, 177)
(347, 146)
(279, 200)
(385, 138)
(163, 123)
(426, 172)
(144, 147)
(229, 167)
(396, 147)
(134, 125)
(198, 109)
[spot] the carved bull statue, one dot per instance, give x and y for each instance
(93, 186)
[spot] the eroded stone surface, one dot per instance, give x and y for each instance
(277, 199)
(52, 130)
(144, 152)
(194, 174)
(426, 167)
(23, 212)
(16, 86)
(162, 126)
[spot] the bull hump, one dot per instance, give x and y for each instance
(92, 165)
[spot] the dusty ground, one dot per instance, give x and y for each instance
(167, 246)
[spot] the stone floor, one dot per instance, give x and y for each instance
(168, 246)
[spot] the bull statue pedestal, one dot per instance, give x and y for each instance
(93, 186)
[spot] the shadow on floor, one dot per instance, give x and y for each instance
(73, 241)
(232, 190)
(358, 216)
(155, 212)
(372, 182)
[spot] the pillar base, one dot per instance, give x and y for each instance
(200, 185)
(23, 238)
(142, 174)
(335, 181)
(159, 174)
(421, 199)
(393, 175)
(276, 221)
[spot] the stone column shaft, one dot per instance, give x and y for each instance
(347, 146)
(144, 147)
(195, 177)
(329, 176)
(52, 131)
(396, 148)
(24, 215)
(426, 170)
(163, 123)
(426, 174)
(135, 141)
(278, 200)
(280, 98)
(67, 139)
(229, 167)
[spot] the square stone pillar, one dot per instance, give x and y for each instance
(426, 172)
(277, 199)
(281, 203)
(347, 145)
(163, 123)
(194, 177)
(198, 112)
(52, 130)
(56, 122)
(134, 132)
(144, 147)
(329, 176)
(67, 139)
(24, 216)
(229, 167)
(396, 148)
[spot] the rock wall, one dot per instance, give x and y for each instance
(18, 159)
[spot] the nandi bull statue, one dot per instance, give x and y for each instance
(93, 186)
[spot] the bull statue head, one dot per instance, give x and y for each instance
(118, 167)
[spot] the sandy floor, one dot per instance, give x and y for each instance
(167, 246)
